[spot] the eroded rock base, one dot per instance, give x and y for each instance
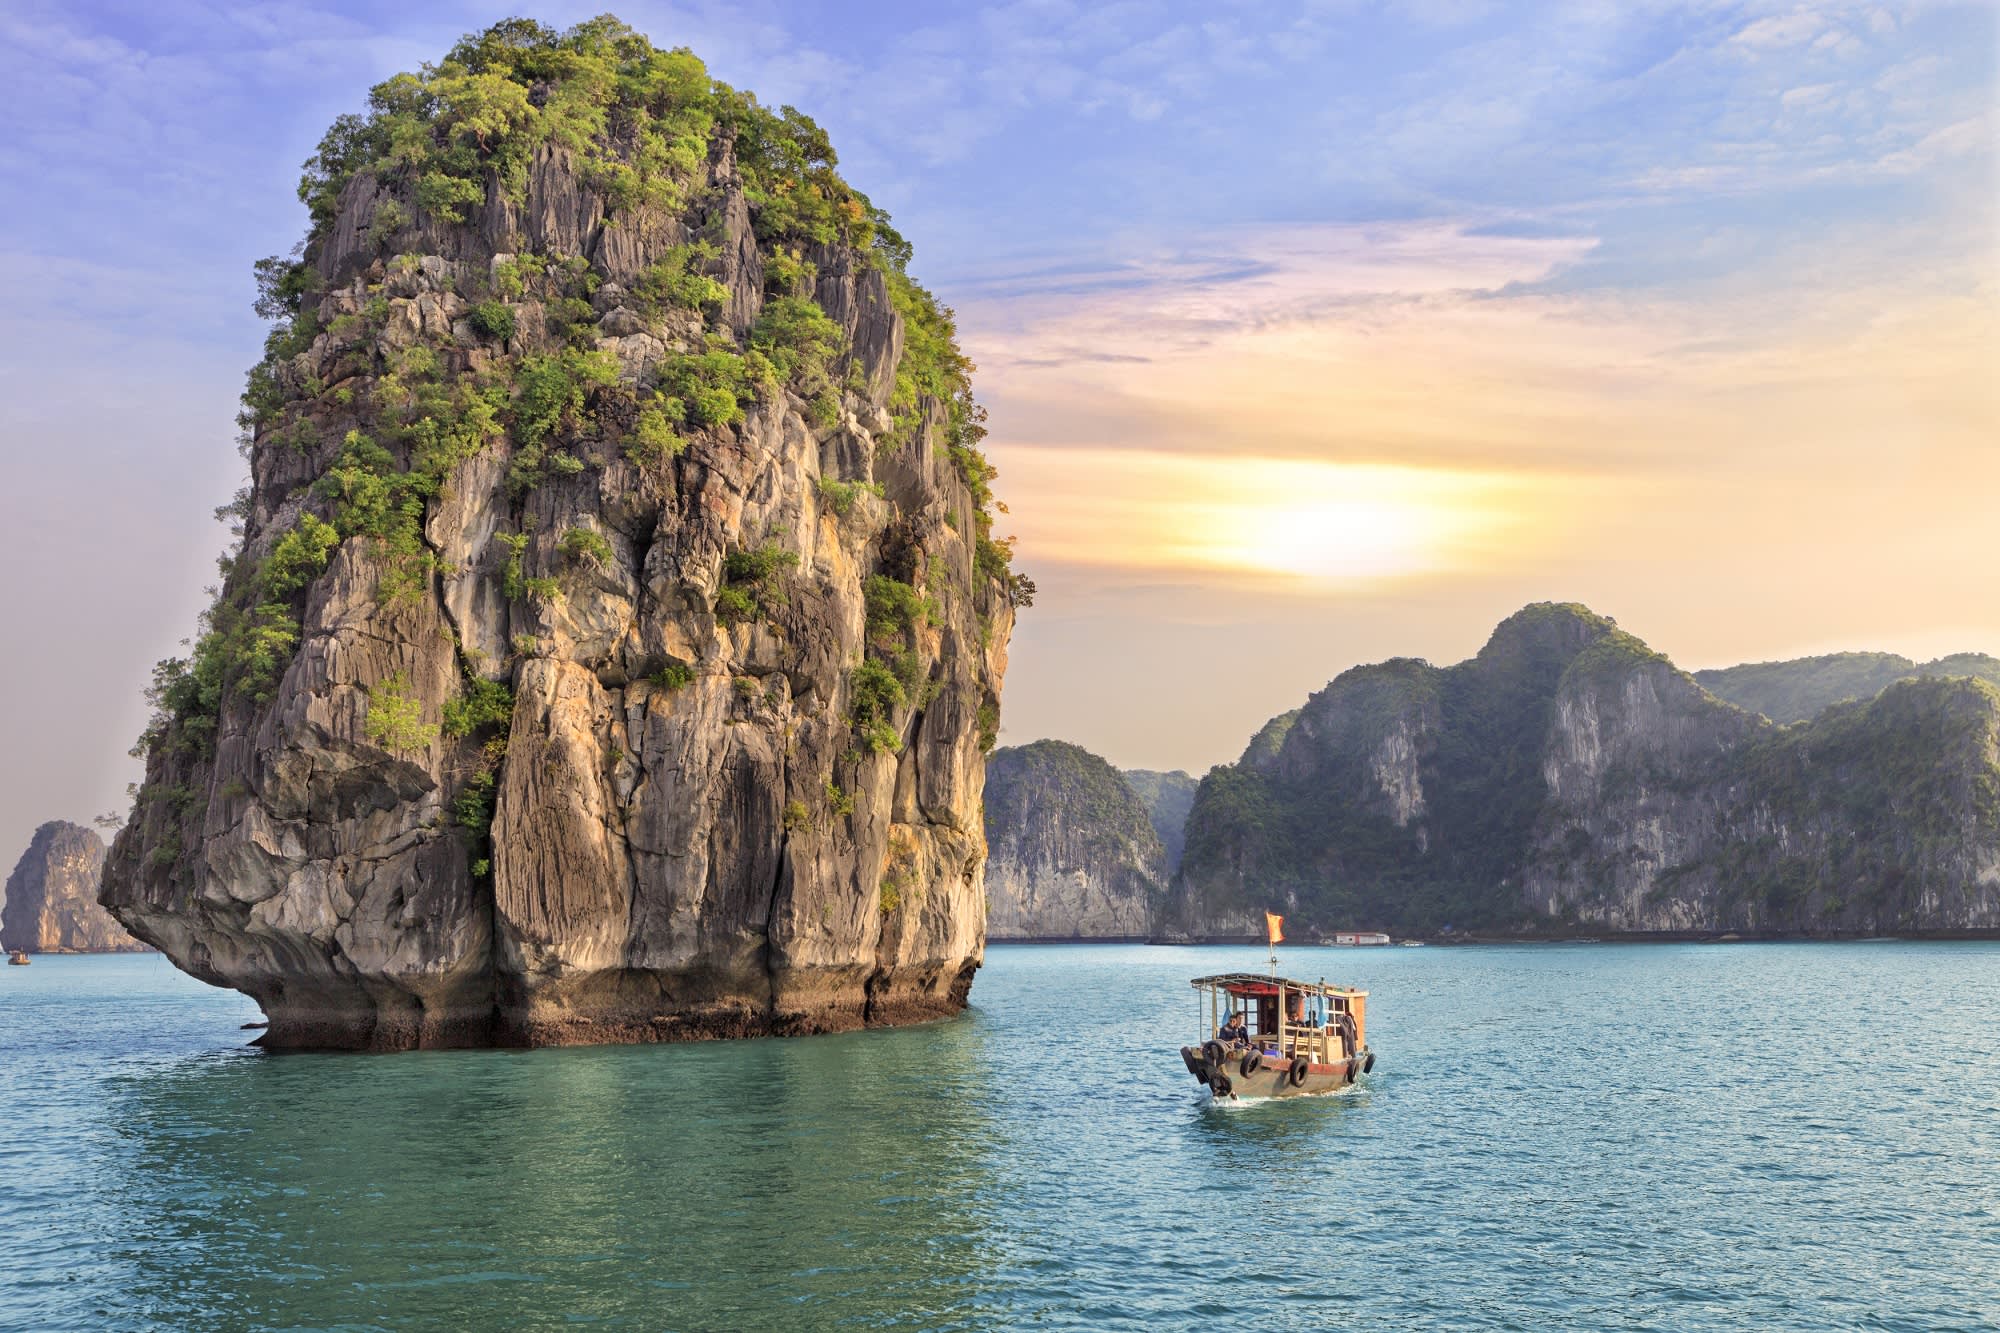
(614, 1009)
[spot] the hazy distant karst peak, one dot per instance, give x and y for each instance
(618, 626)
(1794, 690)
(1167, 797)
(1072, 850)
(1568, 775)
(50, 902)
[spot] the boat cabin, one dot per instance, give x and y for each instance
(1285, 1018)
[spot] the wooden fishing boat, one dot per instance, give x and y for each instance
(1269, 1036)
(17, 958)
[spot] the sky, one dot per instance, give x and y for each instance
(1313, 332)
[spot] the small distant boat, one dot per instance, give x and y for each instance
(17, 958)
(1411, 944)
(1358, 938)
(1267, 1036)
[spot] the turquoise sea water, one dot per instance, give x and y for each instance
(1556, 1136)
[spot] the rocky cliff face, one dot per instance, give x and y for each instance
(1665, 812)
(1167, 797)
(1073, 851)
(51, 898)
(616, 634)
(1570, 777)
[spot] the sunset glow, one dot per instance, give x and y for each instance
(1298, 520)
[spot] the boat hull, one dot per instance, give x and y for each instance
(1234, 1078)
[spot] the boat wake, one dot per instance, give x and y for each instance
(1245, 1103)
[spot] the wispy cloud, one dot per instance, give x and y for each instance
(1780, 31)
(1245, 281)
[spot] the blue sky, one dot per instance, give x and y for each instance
(1683, 309)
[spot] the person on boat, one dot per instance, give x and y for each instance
(1233, 1029)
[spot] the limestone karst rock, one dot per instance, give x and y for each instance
(1073, 852)
(617, 632)
(1569, 777)
(1167, 797)
(51, 897)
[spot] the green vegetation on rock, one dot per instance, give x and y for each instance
(800, 342)
(484, 703)
(840, 496)
(679, 282)
(492, 319)
(448, 140)
(395, 717)
(673, 676)
(891, 671)
(1264, 746)
(753, 583)
(587, 546)
(474, 120)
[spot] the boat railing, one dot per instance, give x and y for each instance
(1321, 1046)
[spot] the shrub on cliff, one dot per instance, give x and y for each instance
(492, 319)
(753, 582)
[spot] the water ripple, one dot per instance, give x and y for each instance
(1681, 1137)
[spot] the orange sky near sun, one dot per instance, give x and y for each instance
(1405, 433)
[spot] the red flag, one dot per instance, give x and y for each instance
(1274, 926)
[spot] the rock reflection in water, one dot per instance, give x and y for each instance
(849, 1175)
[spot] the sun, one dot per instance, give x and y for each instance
(1338, 522)
(1298, 520)
(1330, 539)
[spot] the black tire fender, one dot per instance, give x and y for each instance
(1212, 1052)
(1251, 1062)
(1368, 1065)
(1192, 1061)
(1297, 1073)
(1218, 1083)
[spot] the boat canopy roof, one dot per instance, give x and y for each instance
(1253, 984)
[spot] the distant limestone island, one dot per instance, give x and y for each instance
(1803, 688)
(1566, 780)
(51, 898)
(1075, 848)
